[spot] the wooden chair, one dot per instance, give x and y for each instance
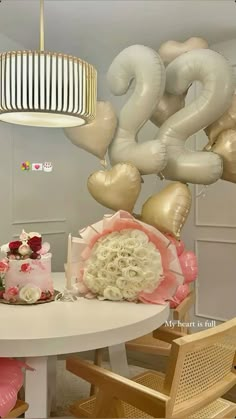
(202, 368)
(19, 409)
(149, 344)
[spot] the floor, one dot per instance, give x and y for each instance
(70, 388)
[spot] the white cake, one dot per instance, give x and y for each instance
(27, 277)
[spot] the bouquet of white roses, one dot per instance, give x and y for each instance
(126, 259)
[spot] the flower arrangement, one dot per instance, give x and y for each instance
(126, 259)
(26, 252)
(29, 246)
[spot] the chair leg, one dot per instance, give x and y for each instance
(97, 361)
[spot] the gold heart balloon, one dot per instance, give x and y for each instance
(170, 50)
(117, 188)
(226, 122)
(225, 146)
(96, 136)
(168, 209)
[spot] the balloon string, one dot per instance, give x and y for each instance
(161, 176)
(202, 193)
(103, 163)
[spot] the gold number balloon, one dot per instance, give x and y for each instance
(168, 209)
(117, 188)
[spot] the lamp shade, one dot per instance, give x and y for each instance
(44, 89)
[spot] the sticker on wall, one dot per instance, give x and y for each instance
(47, 166)
(25, 165)
(37, 166)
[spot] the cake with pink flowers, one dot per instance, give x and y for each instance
(25, 272)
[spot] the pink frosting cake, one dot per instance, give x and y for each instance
(25, 272)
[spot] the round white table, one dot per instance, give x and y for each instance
(41, 332)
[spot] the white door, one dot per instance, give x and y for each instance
(211, 231)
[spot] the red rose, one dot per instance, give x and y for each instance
(35, 243)
(45, 295)
(25, 267)
(14, 246)
(3, 266)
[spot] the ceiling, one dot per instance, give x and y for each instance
(97, 30)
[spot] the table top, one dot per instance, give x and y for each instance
(67, 327)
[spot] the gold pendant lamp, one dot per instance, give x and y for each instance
(45, 89)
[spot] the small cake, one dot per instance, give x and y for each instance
(25, 272)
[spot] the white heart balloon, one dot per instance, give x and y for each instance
(96, 136)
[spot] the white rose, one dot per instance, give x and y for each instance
(34, 234)
(141, 252)
(112, 278)
(112, 293)
(101, 283)
(140, 236)
(104, 274)
(129, 293)
(24, 250)
(132, 272)
(115, 245)
(124, 253)
(90, 270)
(5, 248)
(90, 281)
(103, 253)
(133, 261)
(130, 244)
(122, 262)
(30, 294)
(122, 282)
(111, 268)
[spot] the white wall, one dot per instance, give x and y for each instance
(52, 203)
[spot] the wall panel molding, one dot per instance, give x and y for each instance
(42, 221)
(209, 240)
(46, 233)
